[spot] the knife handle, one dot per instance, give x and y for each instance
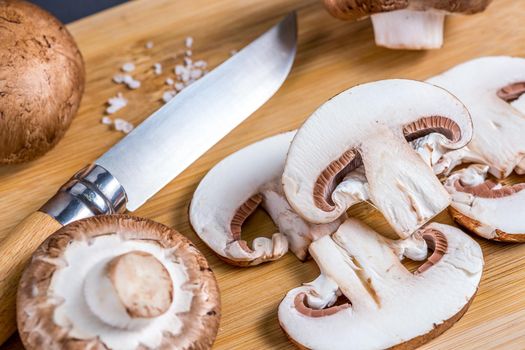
(15, 251)
(92, 191)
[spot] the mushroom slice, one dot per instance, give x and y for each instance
(491, 88)
(489, 209)
(117, 282)
(234, 188)
(386, 306)
(406, 24)
(370, 125)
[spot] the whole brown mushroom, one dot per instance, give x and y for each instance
(41, 81)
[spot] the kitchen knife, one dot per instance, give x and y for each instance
(153, 154)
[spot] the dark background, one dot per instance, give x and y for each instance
(70, 10)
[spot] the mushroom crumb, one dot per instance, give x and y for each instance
(128, 67)
(127, 80)
(168, 95)
(106, 120)
(169, 81)
(116, 103)
(188, 42)
(123, 125)
(157, 69)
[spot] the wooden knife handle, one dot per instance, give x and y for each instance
(15, 252)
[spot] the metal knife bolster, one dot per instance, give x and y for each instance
(92, 191)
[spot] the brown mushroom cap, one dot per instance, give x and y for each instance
(37, 304)
(354, 9)
(41, 81)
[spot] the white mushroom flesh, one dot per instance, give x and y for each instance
(89, 307)
(495, 209)
(367, 125)
(498, 112)
(233, 189)
(387, 305)
(409, 29)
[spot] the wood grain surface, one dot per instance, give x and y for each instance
(332, 56)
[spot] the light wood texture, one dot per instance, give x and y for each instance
(332, 56)
(15, 250)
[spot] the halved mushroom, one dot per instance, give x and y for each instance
(366, 299)
(370, 125)
(117, 282)
(491, 88)
(491, 210)
(405, 24)
(232, 191)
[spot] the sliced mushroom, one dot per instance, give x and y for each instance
(370, 125)
(233, 190)
(117, 282)
(405, 24)
(491, 88)
(489, 209)
(366, 299)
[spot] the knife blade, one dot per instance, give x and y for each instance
(153, 154)
(202, 114)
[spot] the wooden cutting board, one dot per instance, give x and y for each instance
(332, 56)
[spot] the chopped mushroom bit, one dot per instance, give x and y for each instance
(128, 67)
(362, 266)
(116, 103)
(157, 69)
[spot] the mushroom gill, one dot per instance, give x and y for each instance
(331, 176)
(427, 125)
(243, 212)
(437, 242)
(487, 189)
(511, 92)
(301, 304)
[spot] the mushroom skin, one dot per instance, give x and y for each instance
(41, 81)
(234, 188)
(491, 210)
(370, 125)
(405, 24)
(387, 305)
(117, 282)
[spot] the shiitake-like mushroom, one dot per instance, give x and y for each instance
(41, 81)
(118, 282)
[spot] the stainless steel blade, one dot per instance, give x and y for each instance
(197, 118)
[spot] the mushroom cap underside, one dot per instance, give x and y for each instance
(55, 308)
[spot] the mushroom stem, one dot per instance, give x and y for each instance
(409, 29)
(129, 290)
